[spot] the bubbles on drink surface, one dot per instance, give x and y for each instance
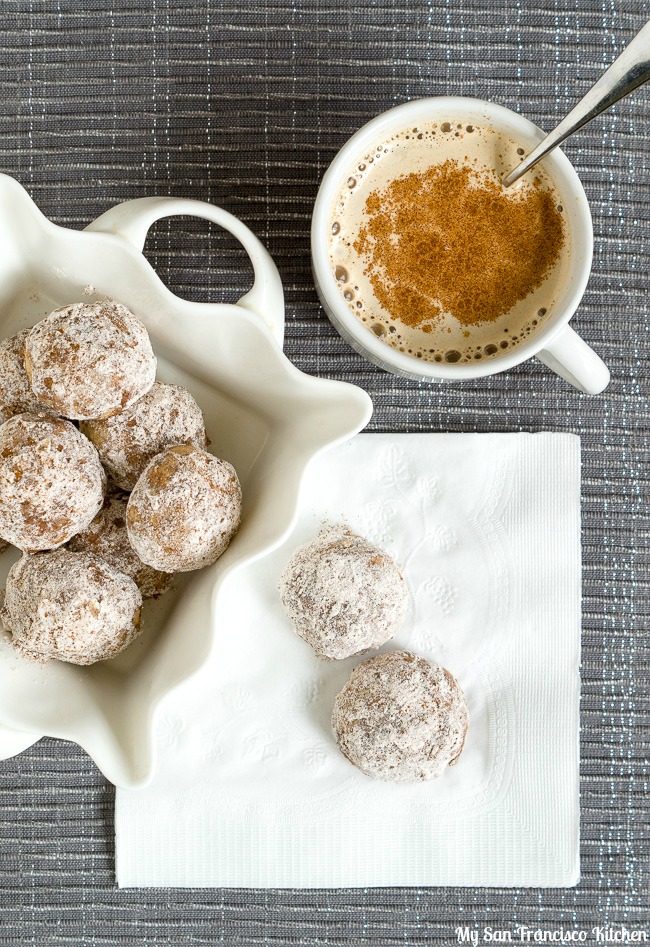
(341, 274)
(443, 340)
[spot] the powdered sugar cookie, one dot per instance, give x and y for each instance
(343, 595)
(400, 718)
(184, 509)
(89, 360)
(51, 481)
(71, 606)
(16, 395)
(107, 537)
(126, 442)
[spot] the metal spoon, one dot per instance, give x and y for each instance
(627, 73)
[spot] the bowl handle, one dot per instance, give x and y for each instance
(131, 220)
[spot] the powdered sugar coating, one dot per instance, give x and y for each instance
(16, 395)
(71, 606)
(107, 537)
(164, 416)
(51, 481)
(400, 718)
(343, 595)
(184, 509)
(89, 360)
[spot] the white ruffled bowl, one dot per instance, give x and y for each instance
(262, 414)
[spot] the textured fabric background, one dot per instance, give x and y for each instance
(244, 104)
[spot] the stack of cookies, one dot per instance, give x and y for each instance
(105, 483)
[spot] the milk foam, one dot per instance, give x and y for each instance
(414, 150)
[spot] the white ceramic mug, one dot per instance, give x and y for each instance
(554, 343)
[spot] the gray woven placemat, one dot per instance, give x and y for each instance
(244, 105)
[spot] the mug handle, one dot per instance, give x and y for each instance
(131, 220)
(572, 359)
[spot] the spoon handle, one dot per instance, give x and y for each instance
(630, 70)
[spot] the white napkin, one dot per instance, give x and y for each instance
(251, 790)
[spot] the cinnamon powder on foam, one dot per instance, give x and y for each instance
(453, 240)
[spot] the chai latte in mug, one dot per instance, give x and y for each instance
(436, 257)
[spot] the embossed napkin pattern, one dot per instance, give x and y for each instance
(250, 789)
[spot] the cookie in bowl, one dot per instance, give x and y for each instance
(107, 537)
(89, 360)
(16, 395)
(401, 718)
(71, 606)
(51, 481)
(165, 416)
(184, 509)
